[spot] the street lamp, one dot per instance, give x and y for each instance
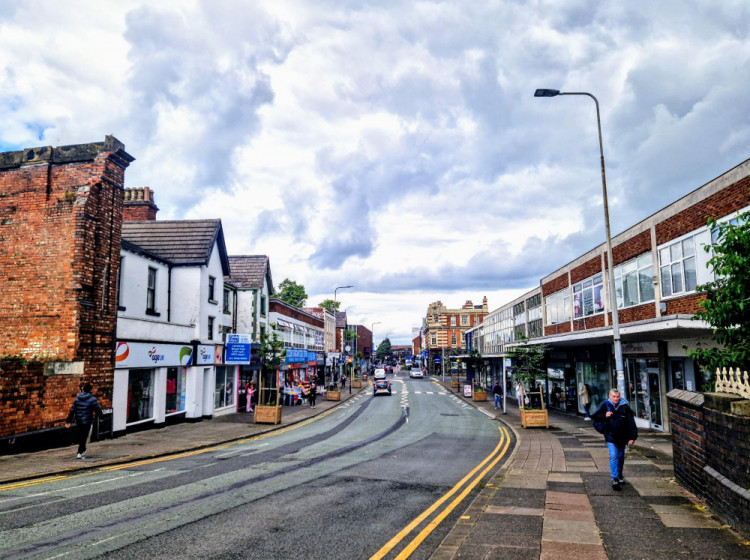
(372, 333)
(336, 321)
(610, 269)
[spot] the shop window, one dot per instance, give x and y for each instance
(587, 297)
(224, 392)
(634, 281)
(140, 395)
(175, 401)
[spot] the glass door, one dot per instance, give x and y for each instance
(643, 392)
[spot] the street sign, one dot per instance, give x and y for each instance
(437, 359)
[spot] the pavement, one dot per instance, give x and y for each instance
(552, 499)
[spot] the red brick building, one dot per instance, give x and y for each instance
(60, 221)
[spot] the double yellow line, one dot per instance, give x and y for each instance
(472, 480)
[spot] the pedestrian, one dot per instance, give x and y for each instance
(519, 394)
(84, 408)
(250, 394)
(498, 392)
(615, 419)
(343, 381)
(313, 393)
(585, 393)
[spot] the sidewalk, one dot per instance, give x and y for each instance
(177, 438)
(553, 500)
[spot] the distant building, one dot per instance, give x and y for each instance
(445, 328)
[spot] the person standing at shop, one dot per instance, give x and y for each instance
(84, 408)
(313, 392)
(519, 393)
(497, 391)
(616, 420)
(585, 393)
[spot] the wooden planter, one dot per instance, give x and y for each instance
(333, 396)
(534, 418)
(357, 384)
(265, 414)
(479, 396)
(454, 384)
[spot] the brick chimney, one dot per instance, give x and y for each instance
(139, 205)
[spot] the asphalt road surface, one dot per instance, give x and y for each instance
(377, 477)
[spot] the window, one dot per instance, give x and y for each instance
(263, 305)
(435, 318)
(558, 307)
(464, 320)
(453, 338)
(211, 288)
(535, 328)
(682, 264)
(140, 404)
(224, 389)
(151, 291)
(210, 328)
(634, 281)
(587, 297)
(175, 401)
(120, 306)
(433, 339)
(453, 320)
(227, 301)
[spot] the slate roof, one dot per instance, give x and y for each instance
(248, 271)
(180, 242)
(341, 319)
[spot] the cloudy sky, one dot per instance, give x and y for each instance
(393, 146)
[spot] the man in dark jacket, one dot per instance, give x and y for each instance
(84, 408)
(619, 430)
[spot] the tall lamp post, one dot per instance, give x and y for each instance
(610, 268)
(372, 333)
(336, 321)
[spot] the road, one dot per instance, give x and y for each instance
(377, 477)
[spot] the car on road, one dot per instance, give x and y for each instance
(389, 369)
(381, 387)
(379, 373)
(416, 372)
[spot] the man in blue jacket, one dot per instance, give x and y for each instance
(617, 423)
(84, 408)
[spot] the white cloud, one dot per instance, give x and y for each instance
(394, 146)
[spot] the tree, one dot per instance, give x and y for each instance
(384, 349)
(330, 305)
(727, 304)
(292, 293)
(529, 360)
(272, 353)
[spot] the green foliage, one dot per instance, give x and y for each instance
(384, 349)
(529, 360)
(350, 334)
(292, 293)
(272, 353)
(14, 360)
(330, 305)
(727, 304)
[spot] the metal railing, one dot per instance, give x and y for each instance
(732, 382)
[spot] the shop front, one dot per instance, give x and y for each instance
(643, 383)
(592, 368)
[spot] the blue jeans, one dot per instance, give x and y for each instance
(497, 400)
(616, 459)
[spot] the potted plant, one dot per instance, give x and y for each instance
(479, 394)
(272, 353)
(529, 360)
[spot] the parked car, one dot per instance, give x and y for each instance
(416, 372)
(381, 387)
(379, 373)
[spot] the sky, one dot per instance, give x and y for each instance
(390, 145)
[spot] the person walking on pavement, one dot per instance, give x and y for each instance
(313, 393)
(343, 381)
(250, 393)
(519, 394)
(616, 420)
(585, 393)
(498, 392)
(84, 408)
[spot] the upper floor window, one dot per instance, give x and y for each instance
(227, 301)
(587, 297)
(151, 291)
(210, 328)
(464, 320)
(453, 339)
(453, 320)
(120, 307)
(211, 288)
(263, 309)
(634, 281)
(679, 268)
(435, 318)
(433, 339)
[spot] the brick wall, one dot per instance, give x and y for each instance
(593, 322)
(586, 270)
(711, 445)
(722, 203)
(139, 205)
(686, 305)
(60, 224)
(559, 328)
(555, 285)
(631, 248)
(636, 313)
